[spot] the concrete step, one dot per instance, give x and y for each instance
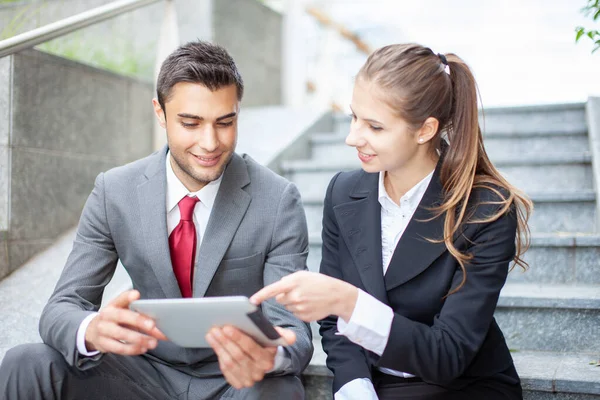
(564, 259)
(544, 173)
(544, 375)
(327, 146)
(550, 317)
(24, 293)
(546, 119)
(553, 212)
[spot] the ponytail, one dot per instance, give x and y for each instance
(466, 166)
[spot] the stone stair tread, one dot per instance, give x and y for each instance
(324, 138)
(508, 160)
(554, 118)
(526, 109)
(535, 295)
(541, 371)
(541, 197)
(558, 372)
(535, 108)
(551, 239)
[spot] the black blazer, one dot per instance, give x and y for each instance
(449, 342)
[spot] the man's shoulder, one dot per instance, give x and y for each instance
(131, 170)
(263, 176)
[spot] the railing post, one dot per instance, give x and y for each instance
(294, 52)
(168, 41)
(325, 71)
(593, 123)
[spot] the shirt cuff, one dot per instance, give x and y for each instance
(357, 389)
(282, 361)
(369, 324)
(81, 337)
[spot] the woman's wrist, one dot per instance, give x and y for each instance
(347, 301)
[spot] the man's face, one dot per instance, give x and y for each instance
(201, 130)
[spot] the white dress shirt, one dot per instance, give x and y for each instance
(176, 190)
(371, 320)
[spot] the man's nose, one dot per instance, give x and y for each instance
(209, 140)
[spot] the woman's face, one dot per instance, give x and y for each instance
(383, 140)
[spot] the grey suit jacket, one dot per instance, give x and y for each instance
(256, 234)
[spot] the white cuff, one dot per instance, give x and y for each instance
(282, 361)
(81, 336)
(357, 389)
(369, 325)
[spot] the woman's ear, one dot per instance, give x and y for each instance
(428, 130)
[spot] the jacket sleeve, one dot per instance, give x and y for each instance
(78, 292)
(440, 353)
(287, 254)
(347, 360)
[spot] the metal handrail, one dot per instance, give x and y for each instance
(47, 32)
(324, 19)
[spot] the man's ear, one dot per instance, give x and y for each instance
(160, 114)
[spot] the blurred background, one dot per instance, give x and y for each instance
(522, 52)
(76, 83)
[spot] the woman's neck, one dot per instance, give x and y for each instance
(398, 182)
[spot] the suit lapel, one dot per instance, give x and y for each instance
(227, 214)
(360, 226)
(152, 204)
(414, 253)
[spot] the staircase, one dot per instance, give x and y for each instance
(550, 314)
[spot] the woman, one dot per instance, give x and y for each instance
(417, 244)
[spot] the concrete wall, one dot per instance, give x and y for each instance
(5, 89)
(251, 32)
(66, 123)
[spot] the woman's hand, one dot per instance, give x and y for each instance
(311, 296)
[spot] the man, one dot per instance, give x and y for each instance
(194, 219)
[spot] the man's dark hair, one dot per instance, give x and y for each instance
(198, 62)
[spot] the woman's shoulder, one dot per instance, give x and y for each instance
(486, 192)
(489, 199)
(347, 183)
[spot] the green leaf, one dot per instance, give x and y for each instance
(591, 35)
(580, 32)
(597, 15)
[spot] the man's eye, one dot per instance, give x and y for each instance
(185, 125)
(225, 124)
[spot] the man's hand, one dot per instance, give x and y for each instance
(116, 329)
(243, 361)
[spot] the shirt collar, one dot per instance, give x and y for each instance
(413, 196)
(176, 190)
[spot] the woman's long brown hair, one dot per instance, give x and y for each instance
(418, 86)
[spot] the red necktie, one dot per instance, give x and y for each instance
(182, 243)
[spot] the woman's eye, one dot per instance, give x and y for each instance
(375, 128)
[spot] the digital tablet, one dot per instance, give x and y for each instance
(187, 321)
